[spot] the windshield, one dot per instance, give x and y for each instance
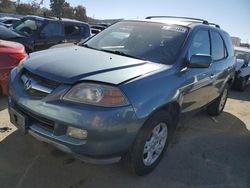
(150, 41)
(27, 26)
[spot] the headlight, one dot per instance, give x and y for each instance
(20, 65)
(95, 94)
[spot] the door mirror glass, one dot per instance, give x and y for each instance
(200, 61)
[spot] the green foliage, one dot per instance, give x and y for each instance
(24, 9)
(80, 13)
(7, 6)
(58, 8)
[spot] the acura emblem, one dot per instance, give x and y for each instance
(27, 85)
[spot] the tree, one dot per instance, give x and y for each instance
(57, 7)
(80, 13)
(5, 4)
(68, 11)
(24, 9)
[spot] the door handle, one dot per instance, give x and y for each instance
(212, 76)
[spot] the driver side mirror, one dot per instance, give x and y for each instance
(200, 61)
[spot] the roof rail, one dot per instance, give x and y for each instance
(216, 25)
(186, 18)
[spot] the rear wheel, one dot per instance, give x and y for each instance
(151, 143)
(217, 106)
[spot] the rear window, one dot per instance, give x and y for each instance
(151, 41)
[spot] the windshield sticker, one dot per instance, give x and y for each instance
(177, 29)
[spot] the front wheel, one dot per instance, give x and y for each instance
(151, 143)
(217, 106)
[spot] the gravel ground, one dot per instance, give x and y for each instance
(205, 152)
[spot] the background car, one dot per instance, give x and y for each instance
(8, 21)
(242, 68)
(40, 33)
(97, 28)
(11, 53)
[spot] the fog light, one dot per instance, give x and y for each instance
(77, 133)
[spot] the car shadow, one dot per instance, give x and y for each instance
(204, 153)
(241, 95)
(3, 102)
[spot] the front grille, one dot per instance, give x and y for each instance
(32, 118)
(42, 80)
(39, 86)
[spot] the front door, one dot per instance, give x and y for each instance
(198, 80)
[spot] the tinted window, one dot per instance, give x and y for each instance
(8, 22)
(200, 43)
(27, 26)
(151, 41)
(52, 30)
(72, 30)
(218, 48)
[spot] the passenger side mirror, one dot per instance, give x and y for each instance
(200, 61)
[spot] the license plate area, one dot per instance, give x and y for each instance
(19, 120)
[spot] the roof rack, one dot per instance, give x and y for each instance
(186, 18)
(216, 25)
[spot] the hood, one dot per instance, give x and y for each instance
(6, 33)
(11, 47)
(75, 63)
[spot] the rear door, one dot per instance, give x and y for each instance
(198, 81)
(51, 34)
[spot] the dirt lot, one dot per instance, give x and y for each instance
(206, 152)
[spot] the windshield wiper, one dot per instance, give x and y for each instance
(87, 46)
(123, 54)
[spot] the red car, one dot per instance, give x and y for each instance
(11, 53)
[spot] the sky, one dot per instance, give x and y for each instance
(232, 15)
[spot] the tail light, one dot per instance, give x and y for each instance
(18, 56)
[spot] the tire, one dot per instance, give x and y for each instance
(217, 106)
(145, 143)
(241, 83)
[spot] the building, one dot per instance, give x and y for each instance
(236, 41)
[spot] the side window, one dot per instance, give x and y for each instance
(8, 22)
(72, 30)
(218, 48)
(200, 43)
(52, 30)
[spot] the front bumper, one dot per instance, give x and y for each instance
(111, 131)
